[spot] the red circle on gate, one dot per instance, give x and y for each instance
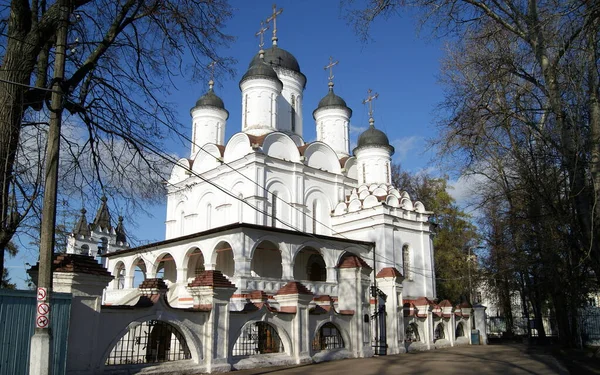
(43, 309)
(42, 321)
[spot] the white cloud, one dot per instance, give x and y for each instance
(405, 145)
(465, 190)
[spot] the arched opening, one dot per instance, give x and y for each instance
(195, 263)
(438, 334)
(309, 265)
(266, 261)
(412, 333)
(328, 337)
(166, 268)
(149, 342)
(257, 338)
(460, 331)
(119, 276)
(139, 273)
(225, 262)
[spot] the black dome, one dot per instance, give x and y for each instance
(332, 100)
(276, 56)
(373, 137)
(260, 69)
(210, 99)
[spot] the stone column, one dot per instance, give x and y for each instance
(212, 292)
(354, 298)
(294, 298)
(85, 279)
(389, 280)
(480, 322)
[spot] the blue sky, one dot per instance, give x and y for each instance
(397, 64)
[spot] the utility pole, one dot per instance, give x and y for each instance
(40, 359)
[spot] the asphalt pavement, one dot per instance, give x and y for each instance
(504, 359)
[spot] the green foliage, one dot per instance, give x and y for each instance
(454, 232)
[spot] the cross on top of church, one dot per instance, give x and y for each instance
(212, 66)
(330, 67)
(261, 33)
(369, 100)
(273, 17)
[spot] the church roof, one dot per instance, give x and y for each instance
(82, 228)
(276, 56)
(102, 220)
(332, 100)
(210, 99)
(120, 231)
(373, 137)
(259, 69)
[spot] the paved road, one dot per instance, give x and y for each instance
(491, 359)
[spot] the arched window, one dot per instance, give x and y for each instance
(208, 216)
(258, 338)
(274, 204)
(439, 332)
(315, 208)
(102, 245)
(149, 342)
(293, 113)
(412, 333)
(328, 337)
(406, 262)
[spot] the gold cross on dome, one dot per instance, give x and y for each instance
(369, 100)
(330, 67)
(261, 32)
(273, 18)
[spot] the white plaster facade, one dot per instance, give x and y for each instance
(265, 209)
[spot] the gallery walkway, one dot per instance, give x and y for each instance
(491, 359)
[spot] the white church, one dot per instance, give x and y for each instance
(285, 251)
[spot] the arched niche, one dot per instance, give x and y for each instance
(237, 147)
(207, 158)
(280, 146)
(460, 330)
(151, 341)
(180, 171)
(309, 265)
(266, 261)
(224, 260)
(257, 338)
(327, 337)
(278, 198)
(166, 268)
(320, 156)
(319, 208)
(411, 334)
(438, 333)
(195, 262)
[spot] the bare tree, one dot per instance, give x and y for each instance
(123, 58)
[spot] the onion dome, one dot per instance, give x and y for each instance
(210, 99)
(276, 56)
(259, 69)
(332, 100)
(373, 137)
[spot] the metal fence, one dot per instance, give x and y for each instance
(588, 321)
(17, 316)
